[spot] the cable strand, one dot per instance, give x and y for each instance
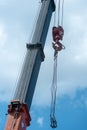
(58, 12)
(53, 94)
(62, 13)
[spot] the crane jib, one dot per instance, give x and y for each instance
(28, 77)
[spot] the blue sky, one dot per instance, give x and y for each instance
(16, 24)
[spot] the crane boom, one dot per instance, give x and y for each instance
(35, 55)
(18, 116)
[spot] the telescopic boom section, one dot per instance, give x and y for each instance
(18, 110)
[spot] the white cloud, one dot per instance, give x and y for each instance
(3, 36)
(40, 121)
(81, 101)
(84, 100)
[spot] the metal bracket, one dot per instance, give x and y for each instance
(35, 46)
(19, 109)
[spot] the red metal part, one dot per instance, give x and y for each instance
(18, 116)
(57, 33)
(57, 46)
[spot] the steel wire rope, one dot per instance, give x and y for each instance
(62, 13)
(53, 93)
(58, 12)
(54, 81)
(55, 13)
(54, 85)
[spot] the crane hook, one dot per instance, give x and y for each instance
(53, 122)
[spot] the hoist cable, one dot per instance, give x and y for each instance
(58, 12)
(55, 14)
(54, 18)
(62, 13)
(53, 93)
(57, 33)
(54, 84)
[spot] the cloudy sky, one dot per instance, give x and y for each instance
(16, 24)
